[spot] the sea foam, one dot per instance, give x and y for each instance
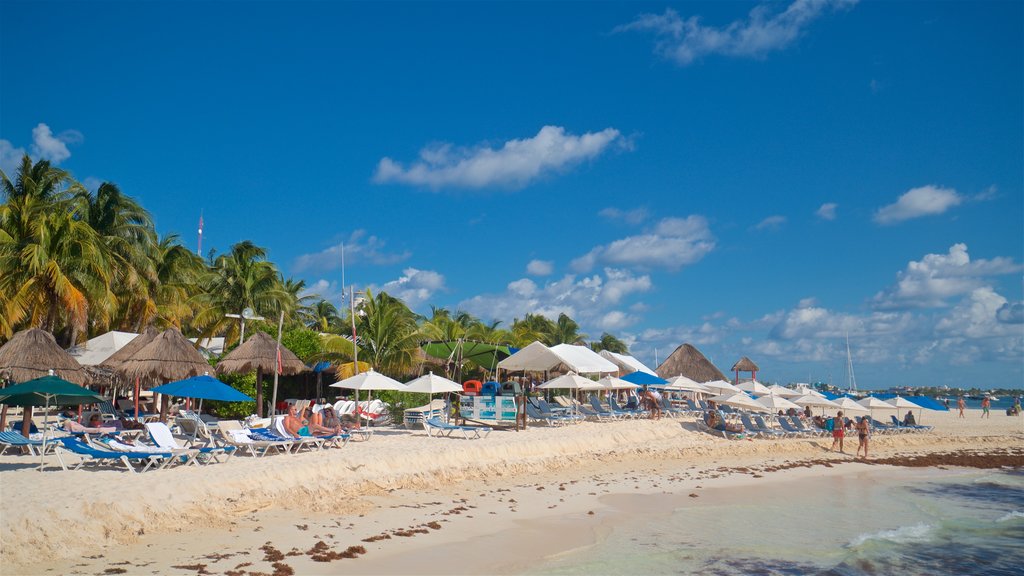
(1010, 516)
(903, 534)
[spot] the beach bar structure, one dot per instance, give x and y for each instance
(687, 361)
(745, 365)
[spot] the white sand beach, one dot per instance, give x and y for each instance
(417, 499)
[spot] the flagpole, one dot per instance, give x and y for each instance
(277, 366)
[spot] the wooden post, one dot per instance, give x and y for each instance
(259, 392)
(26, 421)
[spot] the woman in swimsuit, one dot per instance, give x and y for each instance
(838, 432)
(863, 431)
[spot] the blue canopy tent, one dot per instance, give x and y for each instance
(644, 379)
(922, 401)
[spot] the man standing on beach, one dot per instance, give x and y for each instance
(961, 404)
(838, 431)
(986, 403)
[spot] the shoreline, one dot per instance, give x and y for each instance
(393, 484)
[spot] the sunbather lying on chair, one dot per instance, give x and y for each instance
(93, 427)
(316, 423)
(292, 425)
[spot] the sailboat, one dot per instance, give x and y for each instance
(851, 379)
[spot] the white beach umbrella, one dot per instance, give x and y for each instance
(872, 404)
(818, 401)
(850, 406)
(774, 402)
(685, 384)
(721, 387)
(754, 387)
(809, 391)
(431, 383)
(370, 380)
(571, 381)
(902, 403)
(783, 391)
(738, 400)
(613, 383)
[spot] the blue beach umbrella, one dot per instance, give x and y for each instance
(203, 387)
(644, 379)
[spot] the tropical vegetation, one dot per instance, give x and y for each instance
(79, 263)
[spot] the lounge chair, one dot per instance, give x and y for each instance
(721, 429)
(548, 408)
(15, 439)
(603, 412)
(668, 408)
(162, 437)
(416, 416)
(764, 427)
(750, 428)
(92, 455)
(625, 411)
(788, 427)
(548, 418)
(277, 432)
(235, 435)
(799, 425)
(435, 427)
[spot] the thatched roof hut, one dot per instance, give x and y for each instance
(688, 361)
(259, 352)
(128, 350)
(745, 365)
(169, 357)
(33, 353)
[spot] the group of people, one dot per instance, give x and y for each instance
(310, 422)
(862, 426)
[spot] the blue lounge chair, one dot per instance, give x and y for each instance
(750, 428)
(786, 425)
(548, 418)
(435, 427)
(15, 439)
(764, 427)
(668, 408)
(619, 410)
(161, 436)
(799, 425)
(595, 404)
(548, 408)
(908, 427)
(91, 455)
(720, 428)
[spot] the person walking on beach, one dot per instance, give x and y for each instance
(961, 404)
(838, 431)
(986, 403)
(863, 431)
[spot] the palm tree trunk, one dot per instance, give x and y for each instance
(259, 393)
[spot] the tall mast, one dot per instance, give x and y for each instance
(851, 379)
(199, 249)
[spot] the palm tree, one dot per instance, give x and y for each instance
(324, 317)
(532, 328)
(387, 334)
(240, 279)
(609, 343)
(126, 230)
(566, 331)
(175, 282)
(299, 303)
(54, 264)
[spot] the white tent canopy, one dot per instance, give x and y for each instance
(98, 349)
(539, 357)
(627, 363)
(685, 384)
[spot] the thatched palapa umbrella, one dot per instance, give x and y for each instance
(115, 360)
(745, 365)
(688, 361)
(31, 354)
(167, 358)
(259, 354)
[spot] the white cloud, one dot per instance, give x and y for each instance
(936, 278)
(540, 267)
(632, 216)
(827, 211)
(10, 158)
(976, 316)
(330, 290)
(358, 249)
(674, 243)
(917, 202)
(53, 148)
(771, 223)
(92, 183)
(415, 287)
(514, 165)
(588, 300)
(765, 30)
(1011, 313)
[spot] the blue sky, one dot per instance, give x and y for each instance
(757, 179)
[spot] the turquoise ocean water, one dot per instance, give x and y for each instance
(913, 521)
